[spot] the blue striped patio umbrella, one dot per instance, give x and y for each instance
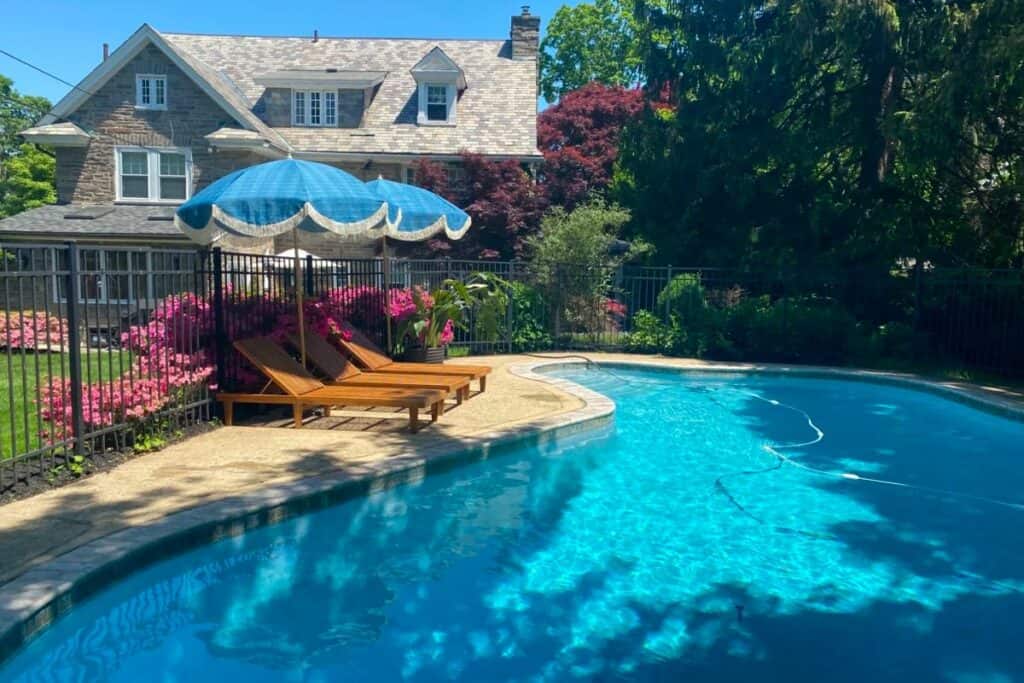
(277, 197)
(415, 214)
(274, 198)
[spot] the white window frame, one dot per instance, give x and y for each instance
(451, 95)
(152, 78)
(307, 108)
(153, 174)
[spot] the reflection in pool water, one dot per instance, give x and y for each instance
(617, 556)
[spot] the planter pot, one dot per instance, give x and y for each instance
(423, 354)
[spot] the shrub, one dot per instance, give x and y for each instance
(529, 333)
(649, 334)
(34, 331)
(169, 358)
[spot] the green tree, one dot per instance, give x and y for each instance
(585, 236)
(574, 259)
(591, 41)
(829, 132)
(26, 172)
(27, 181)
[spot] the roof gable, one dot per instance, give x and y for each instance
(437, 63)
(213, 83)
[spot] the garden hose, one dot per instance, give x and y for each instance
(775, 450)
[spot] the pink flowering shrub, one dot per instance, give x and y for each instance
(27, 330)
(169, 358)
(403, 302)
(413, 312)
(172, 351)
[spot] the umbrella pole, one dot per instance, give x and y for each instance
(387, 290)
(299, 286)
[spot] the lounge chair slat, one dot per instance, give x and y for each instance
(366, 353)
(341, 371)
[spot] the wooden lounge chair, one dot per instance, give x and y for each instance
(371, 358)
(301, 390)
(340, 371)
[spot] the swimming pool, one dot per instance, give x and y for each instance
(676, 545)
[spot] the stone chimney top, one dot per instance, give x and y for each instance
(525, 35)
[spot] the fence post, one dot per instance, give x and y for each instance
(917, 293)
(509, 315)
(668, 281)
(75, 350)
(557, 302)
(309, 275)
(218, 317)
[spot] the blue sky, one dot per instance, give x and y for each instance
(66, 38)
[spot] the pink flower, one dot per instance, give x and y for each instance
(447, 334)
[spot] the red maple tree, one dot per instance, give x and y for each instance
(579, 137)
(505, 203)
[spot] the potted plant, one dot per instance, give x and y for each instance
(427, 321)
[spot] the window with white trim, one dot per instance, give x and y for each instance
(437, 102)
(150, 91)
(153, 175)
(314, 108)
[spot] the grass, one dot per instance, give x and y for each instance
(25, 373)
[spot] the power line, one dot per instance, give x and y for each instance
(43, 71)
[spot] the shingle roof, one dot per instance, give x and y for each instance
(227, 89)
(496, 114)
(110, 221)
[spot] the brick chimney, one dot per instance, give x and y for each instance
(525, 35)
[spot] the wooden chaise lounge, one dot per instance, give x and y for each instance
(341, 371)
(371, 358)
(301, 390)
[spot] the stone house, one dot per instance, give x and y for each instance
(166, 114)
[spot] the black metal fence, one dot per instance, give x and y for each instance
(91, 345)
(99, 343)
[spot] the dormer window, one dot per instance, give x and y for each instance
(315, 107)
(439, 81)
(437, 102)
(150, 91)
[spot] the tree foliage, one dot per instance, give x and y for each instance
(505, 204)
(26, 172)
(581, 237)
(27, 181)
(830, 132)
(579, 137)
(588, 42)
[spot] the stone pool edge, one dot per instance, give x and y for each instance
(967, 393)
(33, 600)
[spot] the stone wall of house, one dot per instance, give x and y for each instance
(275, 107)
(86, 175)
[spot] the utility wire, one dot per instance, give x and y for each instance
(43, 71)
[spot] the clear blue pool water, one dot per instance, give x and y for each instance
(618, 557)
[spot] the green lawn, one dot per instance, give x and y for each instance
(21, 374)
